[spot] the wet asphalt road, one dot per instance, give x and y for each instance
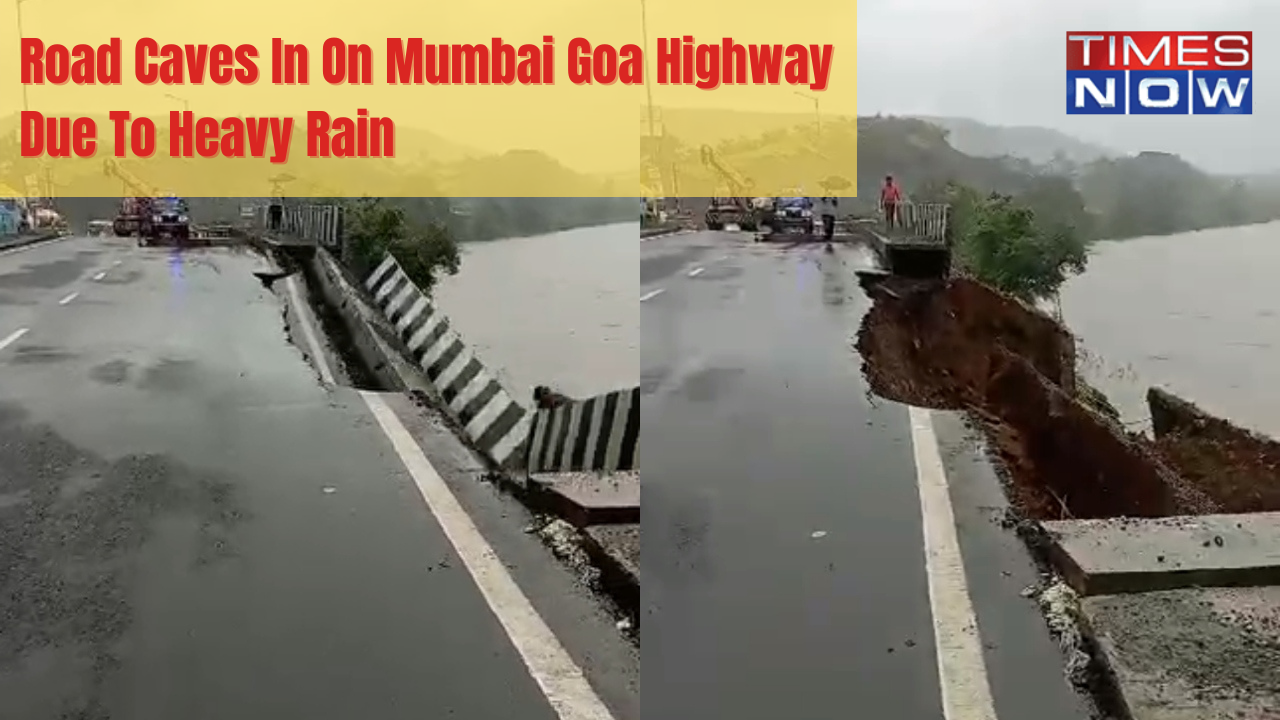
(191, 526)
(782, 547)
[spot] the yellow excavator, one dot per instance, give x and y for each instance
(738, 209)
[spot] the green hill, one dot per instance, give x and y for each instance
(1064, 180)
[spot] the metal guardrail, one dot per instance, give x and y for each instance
(321, 224)
(920, 222)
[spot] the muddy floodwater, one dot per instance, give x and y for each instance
(1197, 312)
(560, 309)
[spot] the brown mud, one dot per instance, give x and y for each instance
(960, 345)
(1237, 468)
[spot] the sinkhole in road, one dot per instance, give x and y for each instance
(1060, 449)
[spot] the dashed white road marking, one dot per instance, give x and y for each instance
(12, 337)
(100, 275)
(68, 298)
(562, 682)
(309, 331)
(116, 263)
(697, 271)
(651, 294)
(962, 671)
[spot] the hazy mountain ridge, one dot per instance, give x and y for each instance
(1037, 144)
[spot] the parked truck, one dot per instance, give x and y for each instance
(128, 220)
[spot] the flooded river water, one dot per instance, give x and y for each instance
(1197, 313)
(559, 309)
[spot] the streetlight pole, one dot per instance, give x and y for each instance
(648, 87)
(817, 111)
(17, 6)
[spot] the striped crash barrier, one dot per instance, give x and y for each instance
(491, 418)
(600, 433)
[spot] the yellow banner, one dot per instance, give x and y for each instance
(399, 98)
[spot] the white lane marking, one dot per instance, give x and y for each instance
(697, 271)
(12, 337)
(962, 671)
(116, 263)
(651, 294)
(100, 275)
(563, 683)
(309, 332)
(68, 298)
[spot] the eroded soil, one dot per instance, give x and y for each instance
(960, 345)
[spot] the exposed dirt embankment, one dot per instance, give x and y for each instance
(961, 345)
(1238, 469)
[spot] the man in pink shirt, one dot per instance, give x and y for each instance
(890, 197)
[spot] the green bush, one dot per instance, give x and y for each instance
(998, 241)
(425, 251)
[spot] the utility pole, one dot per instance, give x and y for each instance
(46, 172)
(17, 6)
(648, 86)
(655, 143)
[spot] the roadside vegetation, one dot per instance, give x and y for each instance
(426, 251)
(1002, 242)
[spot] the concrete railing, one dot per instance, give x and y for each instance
(601, 433)
(494, 422)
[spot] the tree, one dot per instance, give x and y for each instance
(999, 242)
(424, 251)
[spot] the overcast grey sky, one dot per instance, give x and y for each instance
(1004, 62)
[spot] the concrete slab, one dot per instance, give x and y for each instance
(1126, 555)
(621, 543)
(1199, 654)
(584, 498)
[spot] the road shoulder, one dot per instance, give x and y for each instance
(560, 616)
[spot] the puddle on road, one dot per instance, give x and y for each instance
(112, 372)
(46, 276)
(170, 375)
(709, 384)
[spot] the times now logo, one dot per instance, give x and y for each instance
(1159, 73)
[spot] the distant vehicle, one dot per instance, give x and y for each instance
(248, 212)
(166, 217)
(725, 211)
(129, 218)
(100, 228)
(792, 214)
